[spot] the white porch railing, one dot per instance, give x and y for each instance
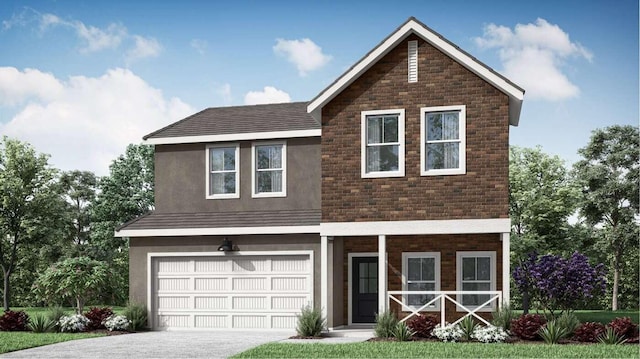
(443, 296)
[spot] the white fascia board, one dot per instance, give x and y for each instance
(221, 231)
(467, 61)
(233, 137)
(449, 226)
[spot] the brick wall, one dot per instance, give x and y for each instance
(447, 245)
(481, 193)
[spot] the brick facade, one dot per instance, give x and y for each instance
(446, 245)
(481, 193)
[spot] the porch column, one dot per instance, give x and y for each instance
(324, 275)
(506, 267)
(382, 273)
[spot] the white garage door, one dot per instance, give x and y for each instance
(230, 291)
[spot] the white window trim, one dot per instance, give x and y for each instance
(463, 141)
(405, 269)
(363, 140)
(208, 172)
(283, 193)
(492, 260)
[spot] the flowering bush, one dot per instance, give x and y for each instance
(624, 327)
(423, 325)
(97, 316)
(447, 333)
(14, 321)
(73, 323)
(588, 332)
(527, 326)
(559, 283)
(490, 334)
(116, 322)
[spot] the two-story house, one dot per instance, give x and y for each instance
(389, 190)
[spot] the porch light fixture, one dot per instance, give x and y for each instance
(227, 245)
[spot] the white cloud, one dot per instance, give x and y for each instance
(86, 122)
(533, 56)
(268, 95)
(199, 45)
(305, 54)
(93, 39)
(17, 87)
(145, 47)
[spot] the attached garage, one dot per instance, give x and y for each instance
(241, 290)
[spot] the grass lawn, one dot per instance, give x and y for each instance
(438, 350)
(12, 341)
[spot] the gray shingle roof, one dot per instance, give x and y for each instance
(310, 217)
(291, 116)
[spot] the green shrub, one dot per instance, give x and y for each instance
(569, 322)
(402, 332)
(611, 337)
(137, 315)
(385, 324)
(502, 317)
(552, 332)
(468, 326)
(41, 323)
(310, 322)
(55, 313)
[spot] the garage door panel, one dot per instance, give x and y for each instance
(173, 284)
(211, 302)
(292, 284)
(249, 283)
(211, 321)
(212, 265)
(243, 292)
(210, 284)
(173, 302)
(290, 303)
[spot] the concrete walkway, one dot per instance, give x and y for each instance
(175, 344)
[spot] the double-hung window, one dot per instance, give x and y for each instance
(223, 171)
(443, 142)
(476, 271)
(421, 272)
(269, 162)
(382, 151)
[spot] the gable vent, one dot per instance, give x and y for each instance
(413, 61)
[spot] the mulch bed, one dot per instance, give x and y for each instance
(303, 337)
(107, 332)
(510, 340)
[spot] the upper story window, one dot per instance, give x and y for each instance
(223, 171)
(269, 162)
(476, 271)
(382, 143)
(443, 142)
(421, 272)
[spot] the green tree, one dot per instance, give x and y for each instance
(79, 191)
(609, 177)
(123, 195)
(542, 196)
(28, 202)
(79, 279)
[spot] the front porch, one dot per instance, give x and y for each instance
(361, 275)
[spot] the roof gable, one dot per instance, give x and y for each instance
(413, 26)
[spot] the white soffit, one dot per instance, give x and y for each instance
(516, 95)
(233, 137)
(451, 226)
(219, 231)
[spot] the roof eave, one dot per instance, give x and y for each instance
(515, 93)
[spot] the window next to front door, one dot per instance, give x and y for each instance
(476, 271)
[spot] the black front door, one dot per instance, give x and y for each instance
(364, 282)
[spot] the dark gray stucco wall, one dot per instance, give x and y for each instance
(140, 247)
(180, 175)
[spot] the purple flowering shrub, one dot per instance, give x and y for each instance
(558, 283)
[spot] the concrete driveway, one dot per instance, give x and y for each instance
(175, 344)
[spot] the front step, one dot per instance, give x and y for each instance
(352, 332)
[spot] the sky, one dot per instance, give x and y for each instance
(80, 80)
